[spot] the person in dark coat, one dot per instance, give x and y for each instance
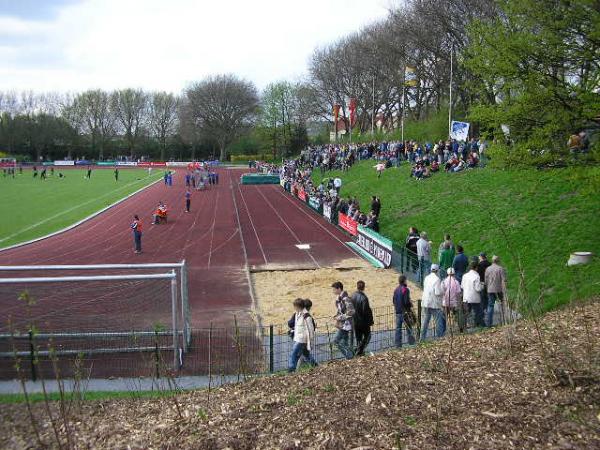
(363, 318)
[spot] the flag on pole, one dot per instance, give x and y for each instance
(459, 130)
(352, 108)
(410, 77)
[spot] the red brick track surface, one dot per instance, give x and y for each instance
(231, 226)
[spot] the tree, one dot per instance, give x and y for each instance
(91, 110)
(538, 70)
(163, 118)
(223, 107)
(130, 107)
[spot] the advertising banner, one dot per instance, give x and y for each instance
(375, 244)
(327, 211)
(302, 195)
(348, 224)
(83, 162)
(106, 163)
(151, 164)
(127, 163)
(177, 163)
(64, 163)
(314, 203)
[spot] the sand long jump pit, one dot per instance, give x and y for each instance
(276, 288)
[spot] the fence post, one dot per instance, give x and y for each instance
(174, 324)
(32, 356)
(271, 351)
(185, 308)
(419, 318)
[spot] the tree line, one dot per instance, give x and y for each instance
(524, 71)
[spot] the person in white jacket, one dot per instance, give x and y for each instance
(431, 304)
(472, 287)
(304, 336)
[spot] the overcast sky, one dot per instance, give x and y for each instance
(72, 45)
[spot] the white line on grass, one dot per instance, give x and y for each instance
(91, 216)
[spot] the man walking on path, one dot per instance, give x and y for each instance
(136, 226)
(495, 280)
(304, 335)
(363, 318)
(343, 319)
(472, 287)
(431, 304)
(402, 306)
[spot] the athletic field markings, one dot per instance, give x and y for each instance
(61, 213)
(212, 228)
(252, 224)
(310, 216)
(287, 226)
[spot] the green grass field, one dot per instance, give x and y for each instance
(539, 217)
(35, 208)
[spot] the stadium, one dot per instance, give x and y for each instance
(319, 225)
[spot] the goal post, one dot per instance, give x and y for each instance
(179, 267)
(95, 310)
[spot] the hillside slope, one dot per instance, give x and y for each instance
(493, 390)
(532, 216)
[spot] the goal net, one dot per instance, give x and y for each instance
(107, 315)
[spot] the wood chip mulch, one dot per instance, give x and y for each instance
(535, 385)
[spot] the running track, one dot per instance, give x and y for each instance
(232, 227)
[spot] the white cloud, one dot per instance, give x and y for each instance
(158, 44)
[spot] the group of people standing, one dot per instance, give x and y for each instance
(353, 319)
(457, 285)
(452, 297)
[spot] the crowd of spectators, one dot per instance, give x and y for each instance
(455, 286)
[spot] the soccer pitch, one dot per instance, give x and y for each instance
(34, 208)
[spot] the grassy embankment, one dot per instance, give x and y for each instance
(532, 216)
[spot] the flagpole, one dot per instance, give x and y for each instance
(450, 103)
(350, 122)
(403, 103)
(373, 118)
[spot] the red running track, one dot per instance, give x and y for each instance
(231, 227)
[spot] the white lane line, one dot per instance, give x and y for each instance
(212, 228)
(310, 216)
(252, 223)
(286, 225)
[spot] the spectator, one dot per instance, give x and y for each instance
(403, 310)
(375, 205)
(363, 318)
(446, 257)
(495, 276)
(471, 286)
(460, 263)
(482, 264)
(304, 335)
(451, 296)
(411, 245)
(424, 254)
(449, 241)
(343, 319)
(431, 304)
